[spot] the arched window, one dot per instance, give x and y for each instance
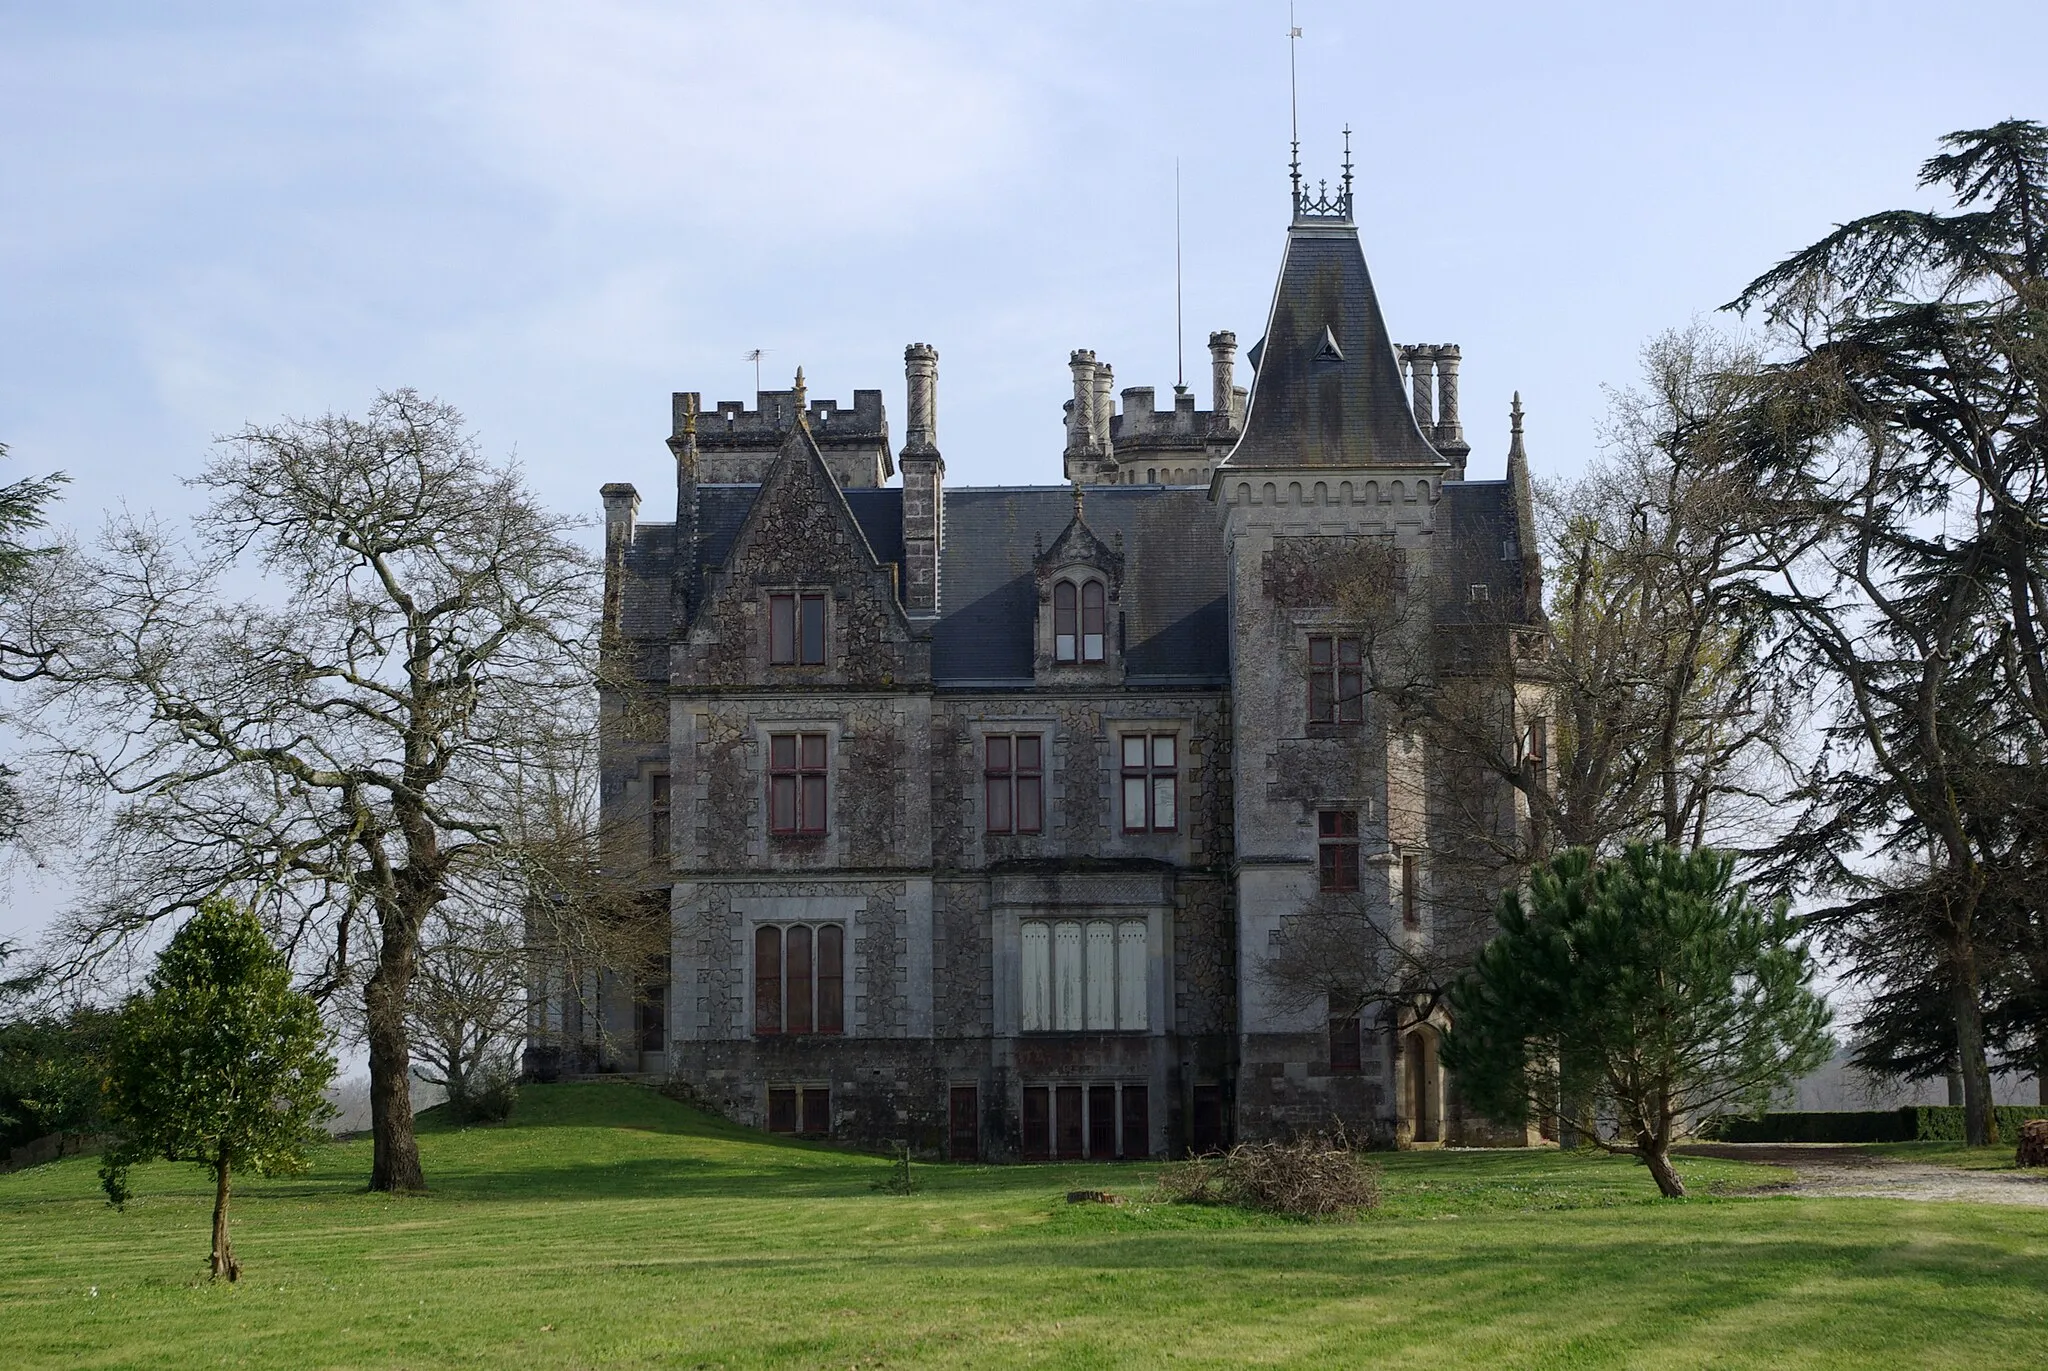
(1091, 621)
(1063, 626)
(799, 978)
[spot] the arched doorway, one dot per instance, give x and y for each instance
(1425, 1097)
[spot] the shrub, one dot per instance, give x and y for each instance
(485, 1099)
(1910, 1123)
(1312, 1177)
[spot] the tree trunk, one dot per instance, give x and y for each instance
(1980, 1125)
(224, 1263)
(395, 1153)
(1656, 1154)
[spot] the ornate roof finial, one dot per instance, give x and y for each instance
(1515, 430)
(690, 414)
(1347, 170)
(1077, 502)
(799, 392)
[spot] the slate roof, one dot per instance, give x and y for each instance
(1175, 622)
(1314, 405)
(1475, 526)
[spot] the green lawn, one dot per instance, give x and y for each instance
(609, 1227)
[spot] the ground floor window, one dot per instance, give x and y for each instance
(1097, 1119)
(1083, 975)
(963, 1124)
(1206, 1131)
(800, 1109)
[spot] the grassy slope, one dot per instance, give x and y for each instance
(610, 1227)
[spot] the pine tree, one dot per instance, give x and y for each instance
(1653, 982)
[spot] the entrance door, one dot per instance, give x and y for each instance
(964, 1124)
(1423, 1105)
(1066, 1115)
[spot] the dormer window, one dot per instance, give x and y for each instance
(1079, 616)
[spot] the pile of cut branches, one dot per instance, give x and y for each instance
(1312, 1176)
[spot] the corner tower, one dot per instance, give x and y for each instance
(1328, 503)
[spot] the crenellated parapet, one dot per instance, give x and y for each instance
(735, 444)
(1145, 444)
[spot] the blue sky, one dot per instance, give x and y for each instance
(553, 215)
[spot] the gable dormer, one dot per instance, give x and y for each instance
(1079, 624)
(801, 602)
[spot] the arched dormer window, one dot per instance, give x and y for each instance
(1079, 621)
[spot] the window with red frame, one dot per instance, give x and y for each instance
(1014, 782)
(1337, 849)
(796, 783)
(796, 630)
(1080, 621)
(1151, 776)
(1336, 681)
(1347, 1055)
(800, 978)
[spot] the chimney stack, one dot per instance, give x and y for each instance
(1423, 360)
(921, 381)
(1081, 416)
(1105, 408)
(1222, 363)
(924, 478)
(1448, 429)
(683, 443)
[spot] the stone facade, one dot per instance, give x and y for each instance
(987, 810)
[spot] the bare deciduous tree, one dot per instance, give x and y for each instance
(336, 744)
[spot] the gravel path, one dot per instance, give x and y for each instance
(1841, 1170)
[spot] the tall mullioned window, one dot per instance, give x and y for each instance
(1014, 782)
(1151, 777)
(800, 978)
(1083, 975)
(796, 783)
(1337, 849)
(1336, 681)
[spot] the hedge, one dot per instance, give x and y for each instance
(1911, 1123)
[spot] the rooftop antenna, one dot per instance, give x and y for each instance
(1293, 112)
(1180, 359)
(755, 355)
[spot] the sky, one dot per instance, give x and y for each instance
(554, 215)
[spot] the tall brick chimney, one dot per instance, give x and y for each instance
(924, 478)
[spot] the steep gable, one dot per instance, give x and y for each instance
(800, 535)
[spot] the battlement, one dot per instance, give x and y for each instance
(731, 426)
(735, 444)
(1143, 425)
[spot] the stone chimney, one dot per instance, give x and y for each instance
(1422, 360)
(1081, 413)
(1222, 365)
(621, 503)
(683, 443)
(921, 382)
(1448, 429)
(924, 479)
(1105, 410)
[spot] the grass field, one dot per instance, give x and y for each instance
(607, 1226)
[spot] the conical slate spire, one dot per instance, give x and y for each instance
(1327, 390)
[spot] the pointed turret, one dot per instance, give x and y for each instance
(1327, 390)
(1522, 494)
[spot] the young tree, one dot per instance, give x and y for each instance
(1653, 977)
(1898, 444)
(337, 745)
(221, 1062)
